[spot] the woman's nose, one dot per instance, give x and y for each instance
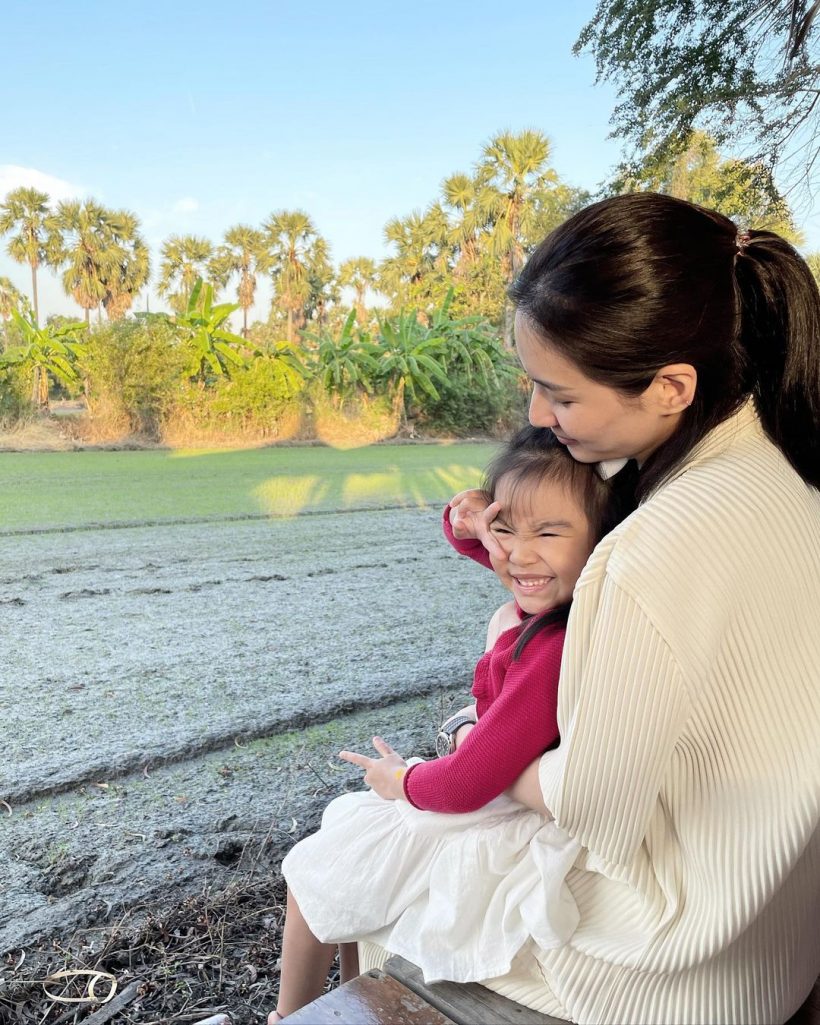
(541, 414)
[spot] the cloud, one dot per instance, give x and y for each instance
(14, 177)
(186, 205)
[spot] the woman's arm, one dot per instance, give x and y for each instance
(527, 789)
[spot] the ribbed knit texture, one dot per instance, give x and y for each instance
(689, 712)
(516, 704)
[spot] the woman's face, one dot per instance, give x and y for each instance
(594, 421)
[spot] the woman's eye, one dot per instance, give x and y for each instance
(499, 530)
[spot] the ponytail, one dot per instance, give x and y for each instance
(779, 305)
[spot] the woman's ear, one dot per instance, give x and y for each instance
(674, 388)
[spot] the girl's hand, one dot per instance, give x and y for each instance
(385, 774)
(470, 517)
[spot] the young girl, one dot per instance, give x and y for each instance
(447, 890)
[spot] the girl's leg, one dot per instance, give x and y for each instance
(348, 961)
(306, 962)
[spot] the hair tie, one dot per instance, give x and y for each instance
(742, 240)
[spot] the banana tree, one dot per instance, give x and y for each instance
(201, 327)
(411, 360)
(54, 350)
(345, 364)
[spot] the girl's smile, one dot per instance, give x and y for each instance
(546, 540)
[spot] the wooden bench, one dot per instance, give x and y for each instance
(398, 995)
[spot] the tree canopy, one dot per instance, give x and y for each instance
(746, 72)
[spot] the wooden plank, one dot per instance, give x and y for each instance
(371, 999)
(467, 1003)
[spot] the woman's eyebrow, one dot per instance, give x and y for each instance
(550, 385)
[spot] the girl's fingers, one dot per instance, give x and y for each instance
(382, 747)
(485, 535)
(361, 760)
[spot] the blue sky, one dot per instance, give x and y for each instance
(198, 116)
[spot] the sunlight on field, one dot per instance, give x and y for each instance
(55, 490)
(364, 487)
(288, 496)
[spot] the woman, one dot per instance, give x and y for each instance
(688, 699)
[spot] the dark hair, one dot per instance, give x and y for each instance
(534, 455)
(635, 282)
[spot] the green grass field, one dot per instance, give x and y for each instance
(75, 489)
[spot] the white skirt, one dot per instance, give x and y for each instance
(458, 895)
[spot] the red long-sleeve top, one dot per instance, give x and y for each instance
(516, 705)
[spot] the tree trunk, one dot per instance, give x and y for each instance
(290, 325)
(34, 296)
(244, 321)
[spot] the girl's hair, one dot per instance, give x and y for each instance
(633, 283)
(533, 456)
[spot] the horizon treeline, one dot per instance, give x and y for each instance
(433, 352)
(473, 237)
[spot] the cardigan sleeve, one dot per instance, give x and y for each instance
(471, 547)
(622, 708)
(517, 727)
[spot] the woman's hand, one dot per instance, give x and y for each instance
(471, 516)
(385, 774)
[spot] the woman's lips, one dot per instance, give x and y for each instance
(565, 441)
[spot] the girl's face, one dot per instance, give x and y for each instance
(546, 538)
(594, 421)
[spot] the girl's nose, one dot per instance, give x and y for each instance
(541, 414)
(519, 551)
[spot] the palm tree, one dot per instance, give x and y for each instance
(184, 259)
(323, 286)
(420, 264)
(359, 273)
(10, 298)
(460, 194)
(129, 267)
(244, 254)
(87, 243)
(292, 239)
(512, 173)
(26, 212)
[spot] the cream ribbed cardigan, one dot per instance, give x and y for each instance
(689, 712)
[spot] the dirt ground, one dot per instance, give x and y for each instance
(173, 701)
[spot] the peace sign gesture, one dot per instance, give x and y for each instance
(385, 774)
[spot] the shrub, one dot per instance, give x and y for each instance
(132, 371)
(354, 420)
(16, 406)
(260, 401)
(470, 404)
